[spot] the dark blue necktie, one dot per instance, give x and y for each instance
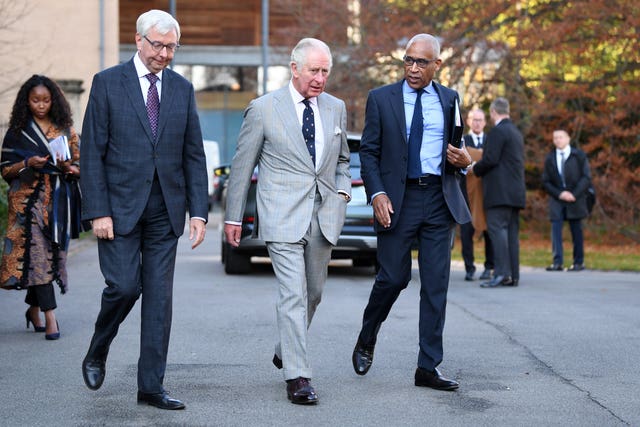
(309, 129)
(414, 169)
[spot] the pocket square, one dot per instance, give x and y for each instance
(337, 131)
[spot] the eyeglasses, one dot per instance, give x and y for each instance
(420, 62)
(157, 46)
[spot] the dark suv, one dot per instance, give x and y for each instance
(357, 240)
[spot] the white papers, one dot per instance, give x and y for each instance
(59, 149)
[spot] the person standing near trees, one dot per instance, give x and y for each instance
(43, 201)
(502, 171)
(566, 178)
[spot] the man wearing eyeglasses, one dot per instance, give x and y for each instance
(411, 165)
(142, 143)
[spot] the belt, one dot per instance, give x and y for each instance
(424, 180)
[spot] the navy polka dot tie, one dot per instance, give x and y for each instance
(309, 130)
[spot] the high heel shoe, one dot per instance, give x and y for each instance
(55, 335)
(36, 328)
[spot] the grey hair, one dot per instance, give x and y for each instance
(500, 106)
(161, 20)
(427, 38)
(300, 52)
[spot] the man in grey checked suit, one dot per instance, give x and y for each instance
(142, 148)
(301, 205)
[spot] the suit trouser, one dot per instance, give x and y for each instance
(141, 262)
(425, 216)
(301, 270)
(466, 240)
(503, 224)
(575, 225)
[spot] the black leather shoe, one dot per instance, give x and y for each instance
(362, 357)
(576, 267)
(555, 267)
(277, 362)
(93, 371)
(486, 275)
(496, 281)
(513, 282)
(435, 380)
(469, 276)
(160, 400)
(300, 392)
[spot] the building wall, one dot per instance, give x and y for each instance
(58, 38)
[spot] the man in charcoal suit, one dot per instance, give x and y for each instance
(142, 150)
(502, 171)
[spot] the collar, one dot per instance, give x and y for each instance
(141, 69)
(297, 98)
(408, 89)
(566, 150)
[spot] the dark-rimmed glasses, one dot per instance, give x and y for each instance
(157, 46)
(420, 62)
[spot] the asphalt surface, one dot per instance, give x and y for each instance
(562, 349)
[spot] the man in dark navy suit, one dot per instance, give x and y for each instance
(411, 168)
(566, 178)
(142, 150)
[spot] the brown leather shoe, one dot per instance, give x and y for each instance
(435, 380)
(300, 392)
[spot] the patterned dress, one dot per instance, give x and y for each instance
(40, 206)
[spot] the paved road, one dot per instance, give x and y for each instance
(561, 349)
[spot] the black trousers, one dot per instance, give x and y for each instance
(140, 263)
(42, 296)
(466, 239)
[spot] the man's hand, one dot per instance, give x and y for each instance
(567, 196)
(382, 209)
(459, 157)
(103, 227)
(232, 233)
(197, 229)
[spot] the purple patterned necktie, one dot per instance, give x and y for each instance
(153, 103)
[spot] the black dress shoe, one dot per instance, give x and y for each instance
(362, 357)
(469, 276)
(277, 362)
(300, 392)
(93, 371)
(486, 275)
(513, 282)
(160, 400)
(496, 281)
(555, 267)
(435, 380)
(576, 267)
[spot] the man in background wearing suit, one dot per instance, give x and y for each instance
(142, 144)
(297, 137)
(411, 167)
(502, 172)
(566, 178)
(472, 190)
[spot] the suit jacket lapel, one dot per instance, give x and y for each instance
(132, 88)
(397, 106)
(166, 101)
(328, 125)
(283, 105)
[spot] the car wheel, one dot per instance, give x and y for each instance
(236, 263)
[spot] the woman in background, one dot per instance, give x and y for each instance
(40, 162)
